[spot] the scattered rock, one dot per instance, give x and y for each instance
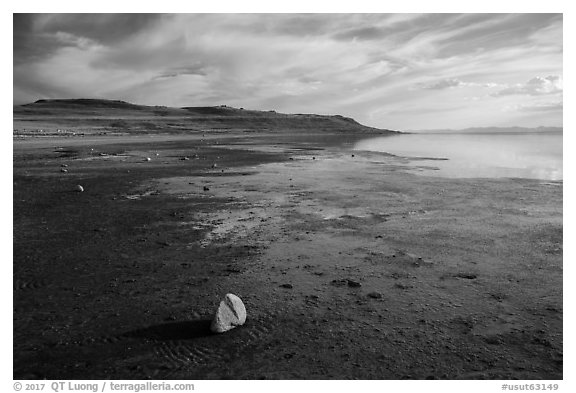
(345, 281)
(214, 165)
(184, 159)
(79, 188)
(64, 166)
(353, 284)
(206, 188)
(287, 286)
(230, 313)
(63, 170)
(375, 295)
(148, 159)
(467, 276)
(338, 283)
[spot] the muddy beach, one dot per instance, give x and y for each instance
(351, 265)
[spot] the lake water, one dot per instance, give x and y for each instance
(533, 156)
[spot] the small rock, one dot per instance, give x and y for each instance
(63, 170)
(375, 295)
(64, 166)
(230, 313)
(148, 159)
(214, 165)
(206, 188)
(287, 286)
(352, 155)
(353, 284)
(184, 159)
(79, 188)
(467, 276)
(338, 283)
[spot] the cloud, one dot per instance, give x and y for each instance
(551, 84)
(363, 33)
(442, 84)
(193, 69)
(38, 36)
(449, 83)
(539, 107)
(368, 66)
(483, 32)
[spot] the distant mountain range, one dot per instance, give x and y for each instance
(492, 130)
(97, 116)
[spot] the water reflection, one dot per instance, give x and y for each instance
(535, 156)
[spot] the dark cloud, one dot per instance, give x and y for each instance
(102, 28)
(39, 35)
(28, 44)
(143, 57)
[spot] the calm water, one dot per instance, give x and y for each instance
(534, 156)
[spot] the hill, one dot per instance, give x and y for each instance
(97, 116)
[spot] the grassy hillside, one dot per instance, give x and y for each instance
(95, 116)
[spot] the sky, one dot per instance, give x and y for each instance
(396, 71)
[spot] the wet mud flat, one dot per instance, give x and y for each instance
(351, 265)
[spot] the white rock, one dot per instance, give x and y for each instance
(79, 188)
(230, 313)
(148, 158)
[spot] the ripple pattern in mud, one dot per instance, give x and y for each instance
(178, 357)
(22, 285)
